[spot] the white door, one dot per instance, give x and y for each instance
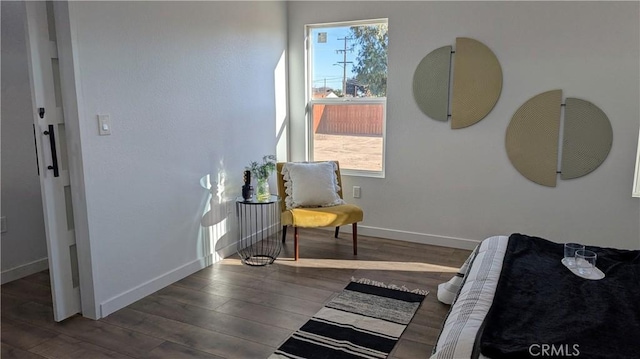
(52, 158)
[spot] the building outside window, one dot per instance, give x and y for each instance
(347, 94)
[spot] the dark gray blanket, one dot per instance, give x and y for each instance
(540, 307)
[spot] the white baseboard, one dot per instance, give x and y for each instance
(228, 250)
(414, 237)
(232, 248)
(24, 270)
(124, 299)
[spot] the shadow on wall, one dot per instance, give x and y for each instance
(218, 224)
(216, 219)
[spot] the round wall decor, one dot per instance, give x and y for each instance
(532, 138)
(475, 88)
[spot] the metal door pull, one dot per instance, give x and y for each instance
(54, 155)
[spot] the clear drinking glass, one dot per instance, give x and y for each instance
(570, 253)
(585, 261)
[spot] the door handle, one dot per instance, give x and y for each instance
(54, 155)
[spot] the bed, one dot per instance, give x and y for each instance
(517, 300)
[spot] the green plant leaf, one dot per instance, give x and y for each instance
(263, 170)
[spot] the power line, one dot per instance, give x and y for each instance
(344, 62)
(328, 79)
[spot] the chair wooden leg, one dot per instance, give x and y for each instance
(284, 233)
(295, 243)
(337, 231)
(355, 239)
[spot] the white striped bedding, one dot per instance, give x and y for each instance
(472, 302)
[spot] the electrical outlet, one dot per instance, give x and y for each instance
(3, 224)
(356, 191)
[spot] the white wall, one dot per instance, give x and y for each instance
(24, 249)
(190, 90)
(454, 187)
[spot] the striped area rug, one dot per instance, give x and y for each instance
(365, 320)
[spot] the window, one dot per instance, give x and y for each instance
(636, 179)
(347, 94)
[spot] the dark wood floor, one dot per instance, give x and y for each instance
(230, 310)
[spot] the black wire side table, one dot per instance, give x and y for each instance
(259, 227)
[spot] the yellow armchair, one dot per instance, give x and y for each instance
(334, 216)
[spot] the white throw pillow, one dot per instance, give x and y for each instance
(311, 184)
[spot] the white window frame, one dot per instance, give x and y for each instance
(636, 177)
(339, 101)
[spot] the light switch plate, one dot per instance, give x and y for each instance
(3, 224)
(104, 125)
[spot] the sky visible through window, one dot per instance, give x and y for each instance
(328, 58)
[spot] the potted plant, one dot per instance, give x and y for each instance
(262, 171)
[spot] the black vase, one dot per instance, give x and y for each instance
(247, 192)
(247, 189)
